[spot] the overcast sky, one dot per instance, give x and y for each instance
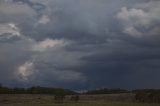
(80, 44)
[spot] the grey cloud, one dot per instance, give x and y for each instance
(109, 43)
(34, 5)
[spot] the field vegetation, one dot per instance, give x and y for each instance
(42, 96)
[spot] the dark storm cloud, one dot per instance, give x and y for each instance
(80, 44)
(124, 66)
(80, 20)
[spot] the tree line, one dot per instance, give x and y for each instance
(58, 93)
(36, 90)
(141, 95)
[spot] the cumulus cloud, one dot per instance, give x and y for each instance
(132, 31)
(10, 29)
(141, 20)
(25, 70)
(133, 15)
(44, 20)
(46, 44)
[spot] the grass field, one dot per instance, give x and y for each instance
(48, 100)
(79, 104)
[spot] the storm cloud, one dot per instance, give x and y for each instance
(80, 44)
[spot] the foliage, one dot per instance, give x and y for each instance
(36, 90)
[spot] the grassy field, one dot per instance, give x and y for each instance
(48, 100)
(79, 104)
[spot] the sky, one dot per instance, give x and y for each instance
(80, 44)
